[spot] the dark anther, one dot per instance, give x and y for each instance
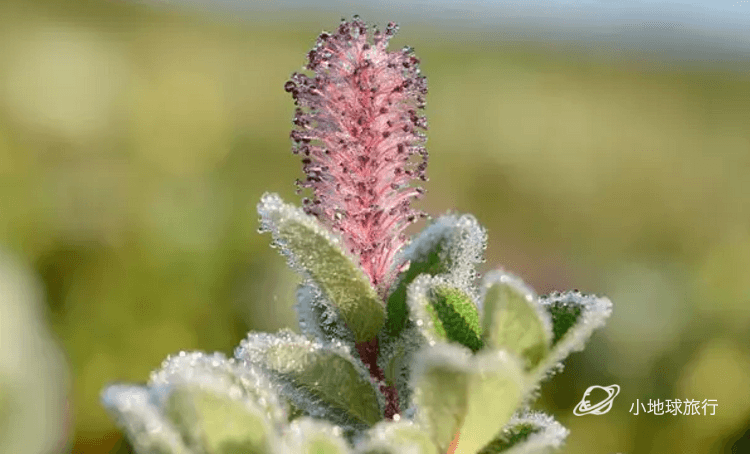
(386, 134)
(289, 86)
(298, 137)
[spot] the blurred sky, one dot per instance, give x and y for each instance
(704, 30)
(719, 14)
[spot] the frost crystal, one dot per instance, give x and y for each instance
(357, 129)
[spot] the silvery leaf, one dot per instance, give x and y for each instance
(312, 250)
(324, 381)
(450, 247)
(473, 394)
(574, 316)
(528, 433)
(513, 318)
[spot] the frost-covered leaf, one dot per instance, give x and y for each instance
(451, 247)
(319, 318)
(575, 316)
(513, 318)
(134, 411)
(213, 423)
(476, 394)
(315, 252)
(199, 403)
(214, 372)
(528, 433)
(324, 381)
(443, 312)
(314, 436)
(396, 437)
(439, 312)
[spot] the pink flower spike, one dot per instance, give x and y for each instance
(358, 130)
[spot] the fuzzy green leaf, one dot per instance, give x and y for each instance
(214, 372)
(396, 437)
(217, 424)
(528, 433)
(314, 436)
(319, 318)
(444, 312)
(473, 394)
(574, 316)
(513, 318)
(323, 380)
(135, 412)
(312, 250)
(449, 247)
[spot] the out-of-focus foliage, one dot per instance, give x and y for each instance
(135, 142)
(33, 375)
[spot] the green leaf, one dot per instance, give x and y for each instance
(218, 424)
(473, 394)
(444, 313)
(315, 436)
(313, 250)
(214, 372)
(323, 380)
(513, 318)
(450, 246)
(319, 318)
(395, 365)
(135, 412)
(396, 437)
(574, 316)
(528, 433)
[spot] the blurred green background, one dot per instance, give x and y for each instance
(135, 141)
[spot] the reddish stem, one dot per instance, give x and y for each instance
(368, 352)
(454, 444)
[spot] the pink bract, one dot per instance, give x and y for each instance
(360, 135)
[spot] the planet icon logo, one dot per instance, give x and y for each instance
(585, 407)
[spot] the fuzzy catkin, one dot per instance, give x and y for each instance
(359, 133)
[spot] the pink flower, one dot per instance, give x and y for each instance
(358, 130)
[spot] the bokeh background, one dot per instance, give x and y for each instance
(606, 150)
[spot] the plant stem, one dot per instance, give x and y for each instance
(368, 353)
